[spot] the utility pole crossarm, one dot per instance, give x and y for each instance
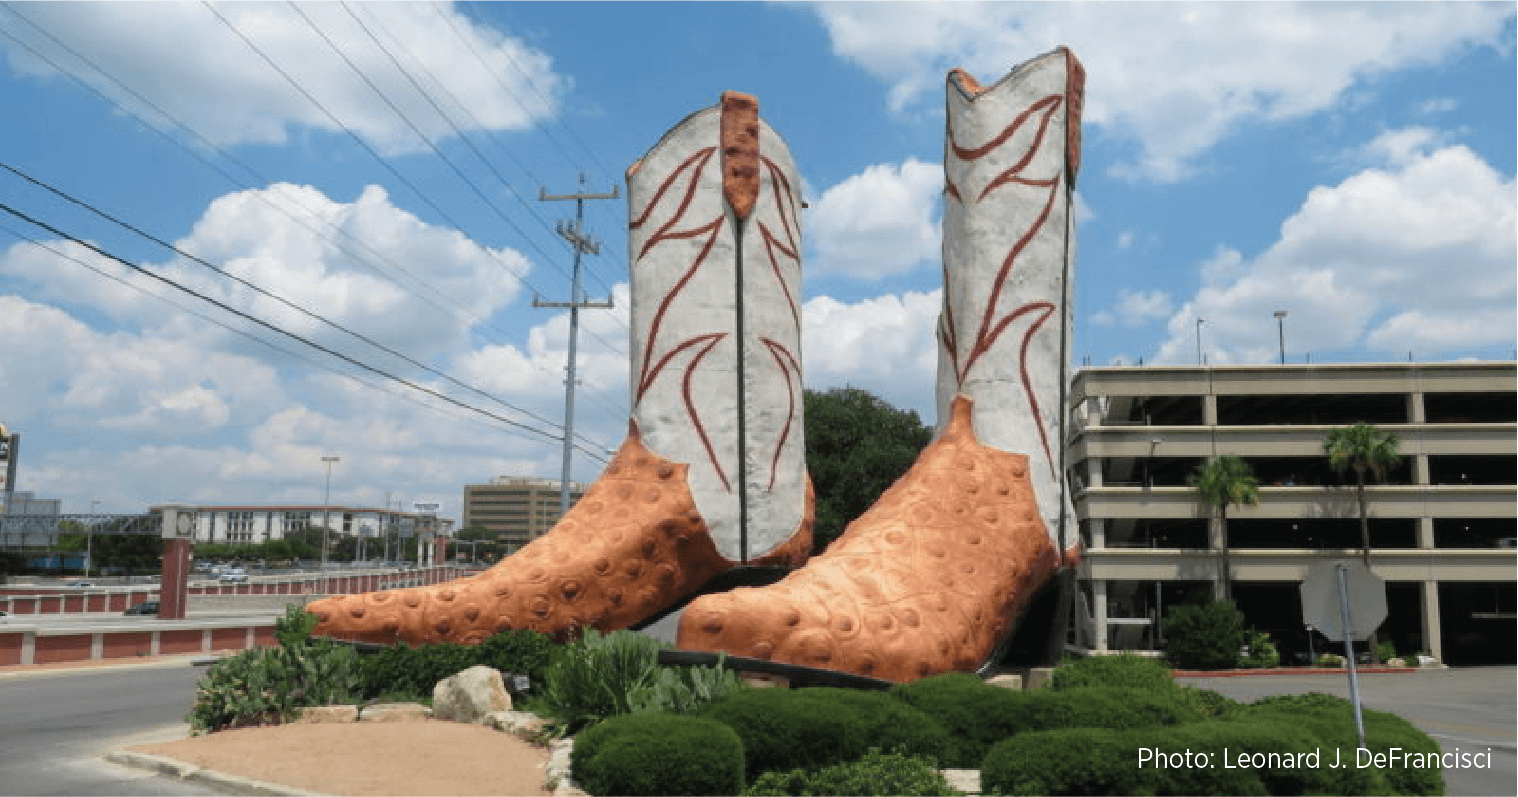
(606, 305)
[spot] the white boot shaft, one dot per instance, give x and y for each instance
(1010, 160)
(715, 252)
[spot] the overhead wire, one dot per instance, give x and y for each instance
(376, 385)
(280, 299)
(53, 230)
(406, 73)
(611, 177)
(458, 310)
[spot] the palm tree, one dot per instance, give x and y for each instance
(1220, 482)
(1363, 448)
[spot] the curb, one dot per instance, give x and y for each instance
(1289, 671)
(221, 781)
(106, 665)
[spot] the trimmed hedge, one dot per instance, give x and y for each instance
(638, 754)
(1099, 761)
(784, 729)
(1332, 719)
(978, 716)
(876, 774)
(1205, 637)
(404, 670)
(1124, 669)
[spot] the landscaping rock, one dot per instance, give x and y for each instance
(518, 722)
(328, 714)
(394, 712)
(470, 696)
(1006, 681)
(559, 767)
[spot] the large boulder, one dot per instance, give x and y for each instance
(470, 696)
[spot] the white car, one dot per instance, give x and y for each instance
(233, 578)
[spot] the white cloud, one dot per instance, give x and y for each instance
(1401, 147)
(212, 417)
(1138, 308)
(1415, 257)
(881, 222)
(227, 93)
(1176, 78)
(1438, 105)
(1124, 240)
(245, 234)
(885, 344)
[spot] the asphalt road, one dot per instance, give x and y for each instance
(1469, 708)
(54, 727)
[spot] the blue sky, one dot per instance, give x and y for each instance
(1352, 164)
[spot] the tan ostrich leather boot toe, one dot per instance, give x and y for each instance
(713, 472)
(936, 574)
(927, 581)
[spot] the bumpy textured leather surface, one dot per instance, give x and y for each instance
(927, 581)
(632, 546)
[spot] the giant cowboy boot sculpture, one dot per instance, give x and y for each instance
(713, 472)
(936, 574)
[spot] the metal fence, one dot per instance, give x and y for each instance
(23, 533)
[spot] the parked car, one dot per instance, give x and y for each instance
(146, 607)
(233, 578)
(80, 584)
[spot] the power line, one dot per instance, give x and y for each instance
(254, 338)
(610, 176)
(280, 299)
(457, 310)
(415, 84)
(260, 322)
(330, 228)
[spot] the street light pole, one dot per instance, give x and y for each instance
(1281, 323)
(89, 538)
(1199, 322)
(327, 521)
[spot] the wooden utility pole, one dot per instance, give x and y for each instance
(574, 233)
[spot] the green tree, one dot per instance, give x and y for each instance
(1363, 449)
(857, 445)
(1223, 481)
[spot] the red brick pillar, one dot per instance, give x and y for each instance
(172, 590)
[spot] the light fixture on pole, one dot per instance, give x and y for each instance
(1199, 322)
(327, 521)
(1281, 323)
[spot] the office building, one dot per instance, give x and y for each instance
(516, 510)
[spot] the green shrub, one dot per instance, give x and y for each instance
(1205, 637)
(413, 671)
(1262, 653)
(1208, 703)
(1329, 660)
(1100, 761)
(1386, 651)
(599, 676)
(1332, 720)
(518, 652)
(295, 627)
(658, 754)
(783, 729)
(266, 686)
(978, 716)
(876, 773)
(1125, 670)
(685, 690)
